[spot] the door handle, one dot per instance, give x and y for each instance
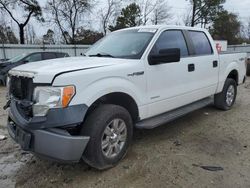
(191, 67)
(215, 64)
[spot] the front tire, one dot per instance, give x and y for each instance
(226, 99)
(110, 129)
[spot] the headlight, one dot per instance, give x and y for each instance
(46, 98)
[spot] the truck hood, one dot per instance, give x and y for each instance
(45, 71)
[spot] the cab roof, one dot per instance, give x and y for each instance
(162, 27)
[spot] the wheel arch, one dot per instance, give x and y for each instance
(231, 72)
(117, 98)
(234, 75)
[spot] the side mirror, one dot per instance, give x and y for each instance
(165, 56)
(25, 61)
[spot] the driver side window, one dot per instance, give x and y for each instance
(171, 39)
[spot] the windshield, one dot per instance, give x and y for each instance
(123, 44)
(17, 58)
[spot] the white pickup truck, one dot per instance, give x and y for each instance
(86, 107)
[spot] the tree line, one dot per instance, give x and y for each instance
(69, 20)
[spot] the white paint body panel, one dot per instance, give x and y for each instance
(161, 88)
(229, 62)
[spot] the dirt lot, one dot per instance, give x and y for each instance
(168, 156)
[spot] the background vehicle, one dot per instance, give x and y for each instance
(3, 60)
(5, 66)
(86, 107)
(248, 66)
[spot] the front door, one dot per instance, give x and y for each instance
(172, 85)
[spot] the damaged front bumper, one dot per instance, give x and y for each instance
(47, 136)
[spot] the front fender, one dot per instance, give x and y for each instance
(93, 84)
(104, 86)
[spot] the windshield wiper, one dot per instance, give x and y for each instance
(101, 55)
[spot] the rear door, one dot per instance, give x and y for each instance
(206, 63)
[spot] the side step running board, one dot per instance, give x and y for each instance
(172, 115)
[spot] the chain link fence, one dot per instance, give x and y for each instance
(245, 48)
(8, 51)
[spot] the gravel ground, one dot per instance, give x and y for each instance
(168, 156)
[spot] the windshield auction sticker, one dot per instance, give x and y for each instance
(148, 30)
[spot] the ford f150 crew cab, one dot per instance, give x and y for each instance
(86, 107)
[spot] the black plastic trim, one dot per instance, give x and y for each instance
(169, 116)
(189, 42)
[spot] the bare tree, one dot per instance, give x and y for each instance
(155, 11)
(245, 31)
(67, 14)
(29, 8)
(108, 13)
(3, 21)
(187, 18)
(248, 29)
(30, 34)
(48, 38)
(7, 34)
(161, 12)
(147, 7)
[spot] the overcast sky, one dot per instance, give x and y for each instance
(179, 8)
(240, 7)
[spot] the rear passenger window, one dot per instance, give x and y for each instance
(201, 43)
(60, 55)
(171, 39)
(49, 56)
(33, 57)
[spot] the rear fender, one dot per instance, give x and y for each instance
(223, 76)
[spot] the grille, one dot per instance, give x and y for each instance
(21, 88)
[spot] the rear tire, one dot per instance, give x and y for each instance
(226, 99)
(110, 129)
